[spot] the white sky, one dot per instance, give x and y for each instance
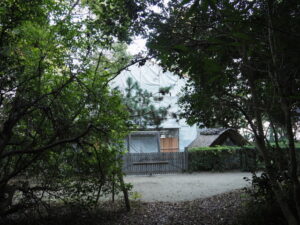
(138, 44)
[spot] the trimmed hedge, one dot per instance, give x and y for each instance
(222, 158)
(215, 148)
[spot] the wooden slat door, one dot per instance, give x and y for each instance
(169, 145)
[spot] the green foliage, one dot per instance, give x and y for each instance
(141, 105)
(215, 148)
(216, 44)
(164, 90)
(242, 62)
(284, 144)
(257, 214)
(222, 158)
(135, 196)
(61, 127)
(261, 206)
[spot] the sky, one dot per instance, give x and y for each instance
(138, 44)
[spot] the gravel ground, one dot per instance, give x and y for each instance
(178, 199)
(185, 187)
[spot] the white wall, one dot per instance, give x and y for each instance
(151, 77)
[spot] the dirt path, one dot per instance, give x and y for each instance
(185, 187)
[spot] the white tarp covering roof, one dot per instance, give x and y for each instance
(151, 77)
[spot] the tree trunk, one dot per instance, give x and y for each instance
(286, 209)
(125, 192)
(288, 213)
(293, 157)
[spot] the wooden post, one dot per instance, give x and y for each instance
(128, 142)
(186, 153)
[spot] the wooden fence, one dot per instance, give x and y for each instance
(155, 163)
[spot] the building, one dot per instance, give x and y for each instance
(218, 136)
(174, 134)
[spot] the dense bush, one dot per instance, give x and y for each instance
(262, 207)
(221, 158)
(258, 214)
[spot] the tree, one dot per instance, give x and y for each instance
(141, 105)
(59, 119)
(242, 61)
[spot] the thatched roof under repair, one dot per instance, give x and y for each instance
(217, 136)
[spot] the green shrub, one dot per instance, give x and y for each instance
(260, 214)
(261, 207)
(221, 158)
(215, 148)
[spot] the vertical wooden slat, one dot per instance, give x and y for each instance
(128, 142)
(158, 141)
(169, 144)
(176, 162)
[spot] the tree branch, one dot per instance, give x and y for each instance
(52, 145)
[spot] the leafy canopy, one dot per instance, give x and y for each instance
(60, 124)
